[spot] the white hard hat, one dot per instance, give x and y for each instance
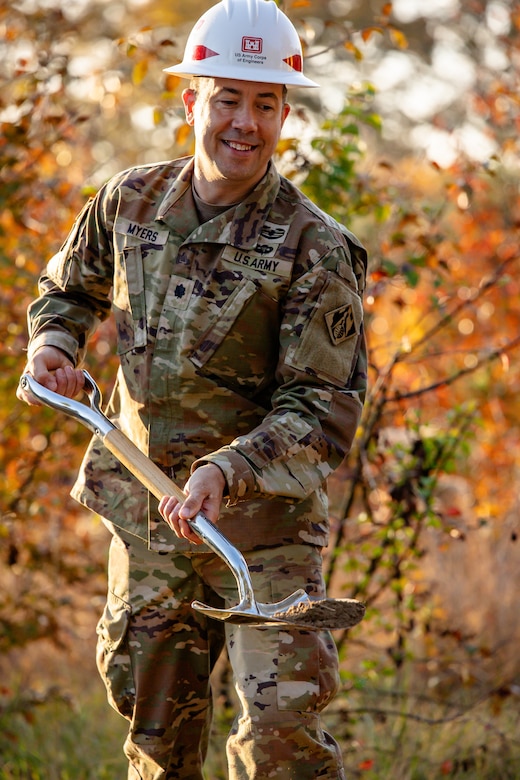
(250, 40)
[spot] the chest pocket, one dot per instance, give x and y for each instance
(129, 299)
(141, 253)
(239, 348)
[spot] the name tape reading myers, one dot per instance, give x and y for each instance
(142, 233)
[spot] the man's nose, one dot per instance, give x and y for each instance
(244, 119)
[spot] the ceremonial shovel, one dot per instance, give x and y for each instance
(298, 610)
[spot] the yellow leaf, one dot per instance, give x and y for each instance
(139, 71)
(285, 144)
(399, 38)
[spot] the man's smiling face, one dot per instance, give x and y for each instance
(237, 125)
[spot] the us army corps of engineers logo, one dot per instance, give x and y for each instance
(251, 51)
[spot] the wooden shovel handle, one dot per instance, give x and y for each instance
(141, 466)
(151, 476)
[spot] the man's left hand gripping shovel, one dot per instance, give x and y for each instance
(296, 611)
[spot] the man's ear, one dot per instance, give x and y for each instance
(285, 112)
(189, 97)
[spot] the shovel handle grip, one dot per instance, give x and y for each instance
(141, 466)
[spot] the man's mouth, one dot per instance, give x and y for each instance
(238, 147)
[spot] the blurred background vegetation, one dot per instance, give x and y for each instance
(412, 142)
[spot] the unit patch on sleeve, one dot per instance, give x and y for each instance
(341, 323)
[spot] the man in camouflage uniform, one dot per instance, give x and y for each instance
(242, 374)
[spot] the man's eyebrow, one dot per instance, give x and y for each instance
(263, 95)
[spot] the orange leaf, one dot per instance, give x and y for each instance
(367, 33)
(182, 134)
(378, 274)
(349, 46)
(171, 82)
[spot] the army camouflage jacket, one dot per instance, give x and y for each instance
(240, 343)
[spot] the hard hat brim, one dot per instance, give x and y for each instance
(291, 79)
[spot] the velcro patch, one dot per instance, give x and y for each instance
(341, 323)
(275, 233)
(143, 234)
(257, 262)
(179, 292)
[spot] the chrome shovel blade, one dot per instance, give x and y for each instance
(296, 612)
(257, 613)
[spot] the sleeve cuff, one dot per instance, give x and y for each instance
(239, 475)
(56, 339)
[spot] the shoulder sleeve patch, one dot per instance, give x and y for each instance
(329, 342)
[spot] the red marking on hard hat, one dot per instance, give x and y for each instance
(202, 53)
(295, 62)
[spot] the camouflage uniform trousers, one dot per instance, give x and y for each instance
(155, 655)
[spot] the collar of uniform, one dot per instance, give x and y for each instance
(181, 183)
(251, 214)
(243, 229)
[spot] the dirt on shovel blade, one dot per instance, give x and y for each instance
(327, 613)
